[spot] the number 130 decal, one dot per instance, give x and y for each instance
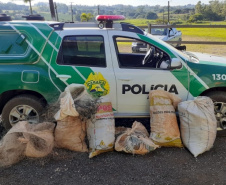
(219, 76)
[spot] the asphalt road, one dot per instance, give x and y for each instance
(162, 166)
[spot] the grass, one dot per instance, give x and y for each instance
(198, 34)
(211, 33)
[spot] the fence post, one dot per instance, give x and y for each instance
(149, 31)
(149, 28)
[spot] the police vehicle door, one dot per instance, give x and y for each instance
(134, 79)
(83, 54)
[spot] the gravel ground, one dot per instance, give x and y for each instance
(162, 166)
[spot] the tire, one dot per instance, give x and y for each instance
(21, 108)
(220, 109)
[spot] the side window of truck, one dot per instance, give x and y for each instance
(12, 44)
(132, 52)
(82, 51)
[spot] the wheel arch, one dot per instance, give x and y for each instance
(7, 95)
(212, 90)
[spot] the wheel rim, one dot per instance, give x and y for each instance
(23, 113)
(220, 112)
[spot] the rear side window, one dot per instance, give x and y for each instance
(82, 51)
(12, 44)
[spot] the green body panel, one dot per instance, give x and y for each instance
(205, 71)
(15, 48)
(182, 76)
(30, 70)
(36, 68)
(85, 71)
(13, 78)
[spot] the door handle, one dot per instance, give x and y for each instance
(125, 79)
(63, 78)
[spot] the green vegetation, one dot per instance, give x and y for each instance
(86, 17)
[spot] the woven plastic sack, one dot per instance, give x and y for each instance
(164, 127)
(24, 139)
(198, 124)
(70, 131)
(135, 140)
(101, 131)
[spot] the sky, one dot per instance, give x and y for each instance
(112, 2)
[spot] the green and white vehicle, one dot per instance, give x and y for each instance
(39, 59)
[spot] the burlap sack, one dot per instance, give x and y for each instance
(70, 134)
(39, 139)
(163, 121)
(135, 140)
(70, 131)
(198, 124)
(24, 139)
(101, 131)
(11, 149)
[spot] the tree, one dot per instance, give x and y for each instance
(151, 15)
(195, 18)
(224, 10)
(26, 1)
(198, 8)
(208, 14)
(86, 17)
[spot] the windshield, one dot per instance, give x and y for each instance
(159, 31)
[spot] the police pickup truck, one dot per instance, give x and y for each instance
(39, 59)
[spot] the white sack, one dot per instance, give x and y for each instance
(198, 124)
(101, 131)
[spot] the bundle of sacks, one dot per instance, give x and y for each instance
(81, 113)
(198, 123)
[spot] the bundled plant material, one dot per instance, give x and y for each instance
(86, 105)
(135, 140)
(24, 139)
(78, 103)
(163, 121)
(70, 131)
(120, 130)
(198, 124)
(101, 131)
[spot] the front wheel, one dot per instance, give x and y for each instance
(22, 108)
(219, 99)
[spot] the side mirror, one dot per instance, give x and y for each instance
(175, 63)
